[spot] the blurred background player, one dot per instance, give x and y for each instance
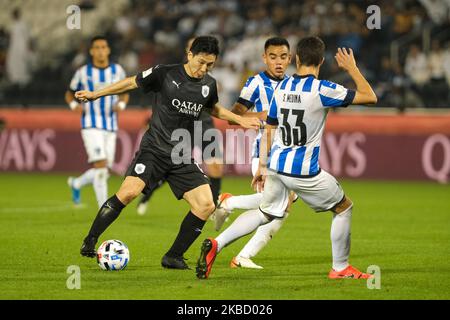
(99, 123)
(296, 119)
(213, 162)
(256, 94)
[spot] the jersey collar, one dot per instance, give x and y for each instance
(303, 75)
(93, 66)
(273, 78)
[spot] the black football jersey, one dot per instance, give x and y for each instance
(181, 101)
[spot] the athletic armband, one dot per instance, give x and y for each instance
(73, 104)
(121, 105)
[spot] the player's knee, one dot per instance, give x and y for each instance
(215, 170)
(127, 195)
(209, 207)
(205, 208)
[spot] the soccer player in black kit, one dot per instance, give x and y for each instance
(213, 161)
(185, 89)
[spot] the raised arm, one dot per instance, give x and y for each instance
(364, 93)
(220, 112)
(119, 87)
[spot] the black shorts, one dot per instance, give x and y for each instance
(214, 146)
(152, 167)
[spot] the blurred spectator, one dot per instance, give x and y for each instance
(416, 68)
(228, 79)
(436, 89)
(403, 21)
(438, 10)
(129, 60)
(3, 51)
(383, 88)
(167, 37)
(447, 63)
(80, 57)
(151, 32)
(147, 56)
(17, 59)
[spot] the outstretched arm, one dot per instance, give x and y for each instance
(266, 145)
(220, 112)
(364, 92)
(242, 110)
(115, 88)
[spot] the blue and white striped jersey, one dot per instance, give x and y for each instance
(99, 113)
(257, 93)
(299, 107)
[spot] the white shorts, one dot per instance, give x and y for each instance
(321, 192)
(99, 145)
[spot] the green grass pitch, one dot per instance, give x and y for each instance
(402, 227)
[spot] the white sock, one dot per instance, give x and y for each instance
(86, 178)
(340, 239)
(262, 237)
(101, 185)
(246, 223)
(247, 202)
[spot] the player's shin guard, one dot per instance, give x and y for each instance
(262, 237)
(108, 212)
(243, 225)
(100, 185)
(340, 239)
(190, 229)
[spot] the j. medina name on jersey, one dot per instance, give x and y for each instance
(187, 107)
(292, 98)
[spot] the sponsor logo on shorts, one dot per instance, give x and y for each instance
(139, 168)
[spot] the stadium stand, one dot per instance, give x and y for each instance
(144, 33)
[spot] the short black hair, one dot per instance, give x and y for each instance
(98, 38)
(276, 41)
(205, 44)
(311, 51)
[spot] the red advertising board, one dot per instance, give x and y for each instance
(357, 145)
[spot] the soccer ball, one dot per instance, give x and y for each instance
(113, 255)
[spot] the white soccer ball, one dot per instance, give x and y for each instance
(113, 255)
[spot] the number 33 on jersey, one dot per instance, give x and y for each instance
(299, 108)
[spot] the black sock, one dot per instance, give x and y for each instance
(109, 212)
(190, 229)
(216, 184)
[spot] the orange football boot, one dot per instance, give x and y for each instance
(350, 273)
(207, 256)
